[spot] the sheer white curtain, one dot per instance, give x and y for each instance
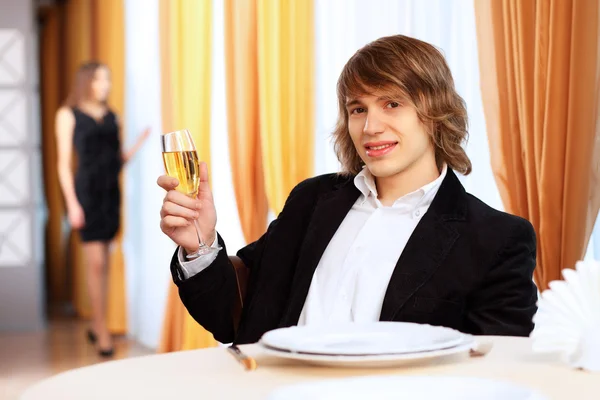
(343, 26)
(147, 251)
(228, 220)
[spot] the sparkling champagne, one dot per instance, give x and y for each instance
(183, 165)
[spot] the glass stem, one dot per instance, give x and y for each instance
(200, 241)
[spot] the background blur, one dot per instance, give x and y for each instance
(254, 81)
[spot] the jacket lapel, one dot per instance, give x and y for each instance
(427, 247)
(330, 211)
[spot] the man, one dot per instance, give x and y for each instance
(393, 238)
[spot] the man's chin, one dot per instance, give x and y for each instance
(384, 171)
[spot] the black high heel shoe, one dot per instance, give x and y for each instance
(106, 352)
(92, 338)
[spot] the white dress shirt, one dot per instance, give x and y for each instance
(352, 276)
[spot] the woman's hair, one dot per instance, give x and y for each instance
(82, 85)
(409, 69)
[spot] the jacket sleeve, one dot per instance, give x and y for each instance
(505, 302)
(209, 295)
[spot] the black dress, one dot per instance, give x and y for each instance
(98, 151)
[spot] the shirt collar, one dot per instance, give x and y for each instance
(365, 183)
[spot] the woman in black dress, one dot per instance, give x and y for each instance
(86, 125)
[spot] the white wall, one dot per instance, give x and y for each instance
(22, 211)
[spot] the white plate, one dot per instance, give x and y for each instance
(406, 387)
(372, 361)
(375, 338)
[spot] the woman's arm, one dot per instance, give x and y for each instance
(64, 127)
(128, 155)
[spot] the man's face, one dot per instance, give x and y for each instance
(388, 134)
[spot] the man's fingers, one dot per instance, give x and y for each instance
(176, 210)
(204, 186)
(181, 199)
(169, 222)
(203, 172)
(167, 182)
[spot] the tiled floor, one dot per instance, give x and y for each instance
(26, 358)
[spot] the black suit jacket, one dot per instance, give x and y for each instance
(466, 266)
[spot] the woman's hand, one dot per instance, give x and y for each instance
(138, 144)
(76, 216)
(144, 135)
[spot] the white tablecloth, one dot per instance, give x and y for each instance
(214, 374)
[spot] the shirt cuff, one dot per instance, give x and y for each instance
(190, 268)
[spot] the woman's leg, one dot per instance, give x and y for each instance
(97, 274)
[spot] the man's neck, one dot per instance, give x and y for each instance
(391, 188)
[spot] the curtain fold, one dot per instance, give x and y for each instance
(51, 97)
(108, 45)
(186, 38)
(245, 153)
(285, 44)
(539, 82)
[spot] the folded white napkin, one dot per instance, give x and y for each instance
(568, 317)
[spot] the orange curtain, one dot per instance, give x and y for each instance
(539, 80)
(269, 47)
(51, 97)
(286, 88)
(186, 40)
(243, 116)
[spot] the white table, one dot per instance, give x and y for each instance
(214, 374)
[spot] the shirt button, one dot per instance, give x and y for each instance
(417, 213)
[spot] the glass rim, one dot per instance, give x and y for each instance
(177, 141)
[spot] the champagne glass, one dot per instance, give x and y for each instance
(181, 162)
